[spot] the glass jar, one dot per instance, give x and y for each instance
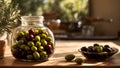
(3, 41)
(32, 41)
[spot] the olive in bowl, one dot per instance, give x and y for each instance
(98, 52)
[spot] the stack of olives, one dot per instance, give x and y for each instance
(97, 48)
(33, 45)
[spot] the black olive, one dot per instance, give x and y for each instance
(107, 46)
(96, 44)
(108, 49)
(91, 49)
(84, 48)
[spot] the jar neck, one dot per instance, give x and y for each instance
(32, 20)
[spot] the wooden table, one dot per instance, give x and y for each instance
(64, 47)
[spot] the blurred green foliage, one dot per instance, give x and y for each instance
(29, 7)
(9, 15)
(67, 10)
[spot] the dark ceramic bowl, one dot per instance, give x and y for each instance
(98, 56)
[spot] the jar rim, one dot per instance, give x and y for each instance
(33, 18)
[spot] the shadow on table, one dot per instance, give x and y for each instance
(57, 55)
(11, 61)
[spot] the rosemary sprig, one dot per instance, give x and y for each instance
(9, 15)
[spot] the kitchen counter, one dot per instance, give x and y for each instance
(64, 47)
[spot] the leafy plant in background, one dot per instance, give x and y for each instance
(68, 10)
(29, 7)
(72, 10)
(9, 15)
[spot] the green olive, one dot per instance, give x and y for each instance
(30, 43)
(36, 31)
(79, 60)
(43, 54)
(20, 34)
(38, 43)
(43, 42)
(27, 48)
(69, 57)
(41, 30)
(36, 55)
(45, 32)
(99, 49)
(48, 38)
(40, 48)
(34, 48)
(26, 34)
(20, 42)
(37, 38)
(103, 53)
(51, 43)
(43, 36)
(22, 46)
(29, 57)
